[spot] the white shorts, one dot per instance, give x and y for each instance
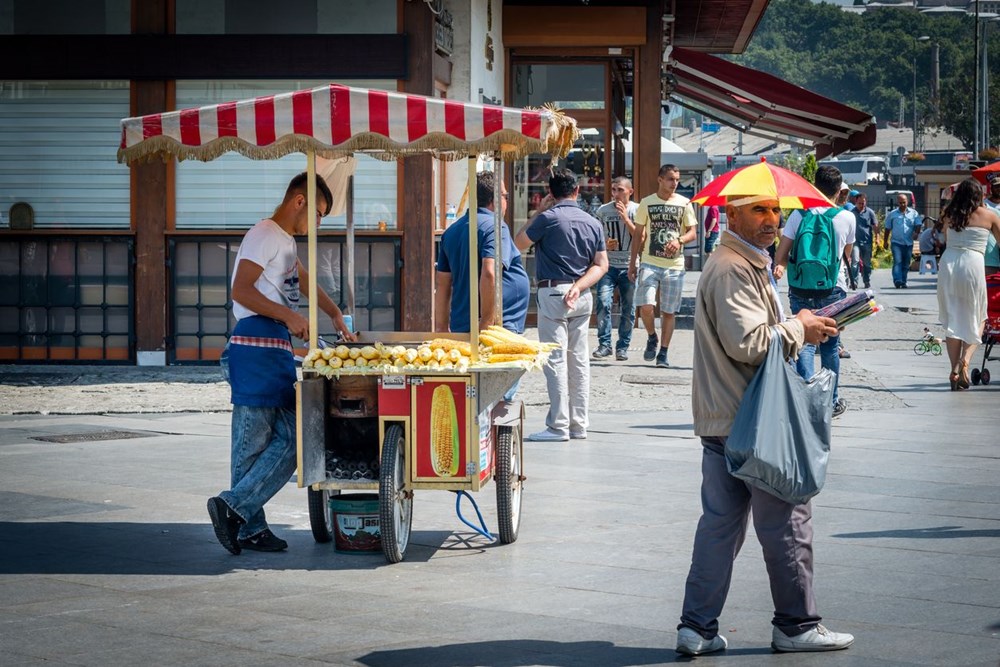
(670, 283)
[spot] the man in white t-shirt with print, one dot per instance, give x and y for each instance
(828, 181)
(664, 223)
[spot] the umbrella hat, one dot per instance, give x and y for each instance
(762, 179)
(984, 174)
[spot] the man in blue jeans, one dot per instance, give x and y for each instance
(618, 219)
(901, 226)
(828, 181)
(261, 367)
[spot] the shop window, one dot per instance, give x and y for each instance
(58, 144)
(567, 86)
(66, 299)
(291, 17)
(234, 192)
(65, 17)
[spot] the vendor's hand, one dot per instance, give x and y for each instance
(817, 329)
(612, 244)
(297, 325)
(778, 271)
(571, 296)
(341, 326)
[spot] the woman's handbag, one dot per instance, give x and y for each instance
(780, 441)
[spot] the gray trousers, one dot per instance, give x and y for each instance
(783, 530)
(567, 371)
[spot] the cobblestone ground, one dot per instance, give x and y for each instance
(633, 385)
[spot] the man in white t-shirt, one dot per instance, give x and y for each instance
(261, 368)
(828, 181)
(664, 223)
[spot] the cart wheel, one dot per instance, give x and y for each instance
(394, 502)
(919, 348)
(508, 481)
(320, 517)
(984, 377)
(936, 349)
(975, 376)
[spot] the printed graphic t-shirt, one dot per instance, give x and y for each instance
(667, 221)
(269, 246)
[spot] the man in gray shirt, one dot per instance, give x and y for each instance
(618, 220)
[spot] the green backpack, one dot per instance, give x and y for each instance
(814, 261)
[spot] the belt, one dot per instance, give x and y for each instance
(553, 283)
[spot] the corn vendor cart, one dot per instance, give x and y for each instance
(394, 412)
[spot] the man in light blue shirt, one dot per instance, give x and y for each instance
(901, 225)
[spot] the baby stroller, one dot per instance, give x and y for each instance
(991, 332)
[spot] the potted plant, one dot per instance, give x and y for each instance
(914, 156)
(990, 153)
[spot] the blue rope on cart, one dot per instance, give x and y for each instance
(458, 510)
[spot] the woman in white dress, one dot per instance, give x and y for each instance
(961, 289)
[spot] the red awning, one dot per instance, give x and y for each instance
(762, 104)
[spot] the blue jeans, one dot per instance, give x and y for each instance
(829, 352)
(263, 460)
(901, 257)
(615, 278)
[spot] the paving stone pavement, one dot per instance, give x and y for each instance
(107, 556)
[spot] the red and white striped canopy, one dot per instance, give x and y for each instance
(337, 120)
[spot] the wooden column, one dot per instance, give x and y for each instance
(646, 142)
(416, 200)
(149, 197)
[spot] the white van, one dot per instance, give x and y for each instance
(861, 169)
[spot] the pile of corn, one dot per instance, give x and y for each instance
(497, 345)
(437, 354)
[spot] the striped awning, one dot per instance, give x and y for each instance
(336, 120)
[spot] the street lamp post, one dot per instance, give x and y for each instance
(916, 131)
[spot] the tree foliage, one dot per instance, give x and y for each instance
(867, 60)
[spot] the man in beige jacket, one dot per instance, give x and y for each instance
(737, 305)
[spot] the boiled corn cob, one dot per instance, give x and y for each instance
(444, 432)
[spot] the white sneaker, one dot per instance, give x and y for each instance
(690, 642)
(816, 639)
(547, 436)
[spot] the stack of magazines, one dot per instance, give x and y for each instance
(851, 308)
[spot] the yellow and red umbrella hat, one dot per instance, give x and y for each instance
(762, 179)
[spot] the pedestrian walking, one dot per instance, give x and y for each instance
(618, 218)
(901, 227)
(571, 256)
(664, 223)
(822, 238)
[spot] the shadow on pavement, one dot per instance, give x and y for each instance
(939, 532)
(523, 652)
(183, 549)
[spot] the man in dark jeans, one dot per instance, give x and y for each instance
(828, 181)
(865, 226)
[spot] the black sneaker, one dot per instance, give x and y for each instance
(652, 343)
(602, 351)
(840, 407)
(868, 285)
(264, 541)
(661, 359)
(622, 354)
(226, 523)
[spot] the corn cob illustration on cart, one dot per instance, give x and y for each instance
(396, 412)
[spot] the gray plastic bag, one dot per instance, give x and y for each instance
(780, 441)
